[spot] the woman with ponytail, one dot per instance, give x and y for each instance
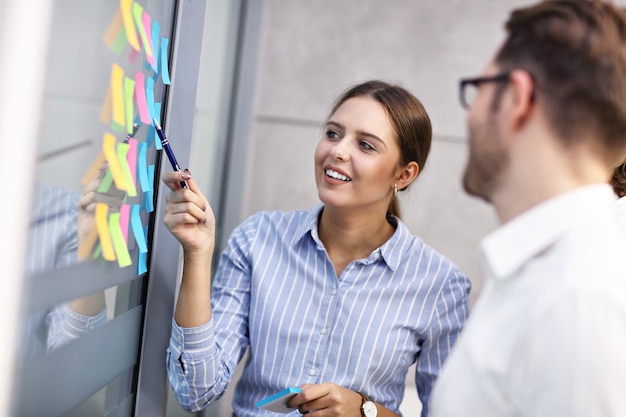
(339, 300)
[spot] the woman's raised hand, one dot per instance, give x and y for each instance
(188, 214)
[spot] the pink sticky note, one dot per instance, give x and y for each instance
(124, 220)
(140, 96)
(146, 20)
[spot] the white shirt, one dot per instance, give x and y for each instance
(547, 336)
(620, 209)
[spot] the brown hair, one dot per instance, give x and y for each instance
(575, 51)
(408, 118)
(618, 180)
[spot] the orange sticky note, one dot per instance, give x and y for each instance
(94, 169)
(107, 107)
(88, 242)
(114, 29)
(102, 224)
(126, 7)
(110, 153)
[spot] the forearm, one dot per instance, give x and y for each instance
(193, 307)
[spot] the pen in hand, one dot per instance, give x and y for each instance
(168, 151)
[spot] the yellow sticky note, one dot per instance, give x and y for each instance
(110, 153)
(122, 152)
(126, 7)
(117, 95)
(121, 251)
(106, 243)
(129, 94)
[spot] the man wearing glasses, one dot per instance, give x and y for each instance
(547, 336)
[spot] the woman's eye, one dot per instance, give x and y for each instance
(331, 134)
(366, 146)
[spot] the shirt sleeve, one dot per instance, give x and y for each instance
(201, 361)
(64, 325)
(451, 312)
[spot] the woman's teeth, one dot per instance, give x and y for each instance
(336, 175)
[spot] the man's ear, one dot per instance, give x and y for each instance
(407, 175)
(521, 98)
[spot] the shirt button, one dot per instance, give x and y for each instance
(323, 331)
(312, 372)
(334, 292)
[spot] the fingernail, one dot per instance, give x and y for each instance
(186, 175)
(204, 208)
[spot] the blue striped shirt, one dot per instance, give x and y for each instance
(52, 244)
(276, 292)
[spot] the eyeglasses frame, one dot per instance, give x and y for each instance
(476, 82)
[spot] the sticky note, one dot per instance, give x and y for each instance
(152, 130)
(125, 220)
(129, 95)
(122, 157)
(110, 153)
(105, 182)
(148, 204)
(107, 107)
(102, 220)
(119, 245)
(142, 259)
(117, 96)
(94, 170)
(138, 19)
(156, 29)
(114, 37)
(87, 242)
(142, 167)
(131, 158)
(126, 7)
(140, 98)
(165, 72)
(137, 226)
(150, 96)
(146, 21)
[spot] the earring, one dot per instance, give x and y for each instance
(395, 189)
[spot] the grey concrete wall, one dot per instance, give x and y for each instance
(311, 50)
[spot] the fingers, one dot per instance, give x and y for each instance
(173, 180)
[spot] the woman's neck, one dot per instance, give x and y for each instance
(348, 236)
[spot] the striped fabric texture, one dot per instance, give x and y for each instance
(276, 293)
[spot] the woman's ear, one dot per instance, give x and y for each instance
(407, 175)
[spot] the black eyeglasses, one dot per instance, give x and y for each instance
(467, 95)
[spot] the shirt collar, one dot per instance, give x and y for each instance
(513, 244)
(391, 251)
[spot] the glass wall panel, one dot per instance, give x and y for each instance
(91, 220)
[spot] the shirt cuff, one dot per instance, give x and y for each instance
(195, 341)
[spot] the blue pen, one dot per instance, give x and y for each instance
(168, 151)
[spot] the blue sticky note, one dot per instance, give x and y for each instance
(142, 167)
(148, 205)
(137, 226)
(278, 402)
(165, 72)
(152, 129)
(150, 96)
(156, 28)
